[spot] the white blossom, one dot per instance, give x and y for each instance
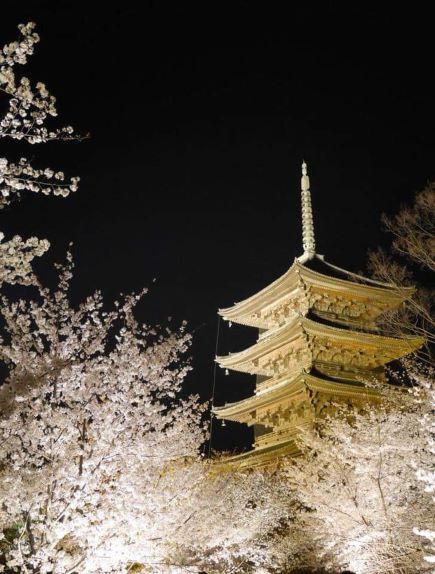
(100, 468)
(357, 479)
(25, 119)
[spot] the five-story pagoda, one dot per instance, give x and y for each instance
(318, 341)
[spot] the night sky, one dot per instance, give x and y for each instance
(200, 114)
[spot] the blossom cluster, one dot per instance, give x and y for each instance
(28, 110)
(18, 177)
(16, 256)
(29, 107)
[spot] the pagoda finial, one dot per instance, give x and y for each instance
(308, 241)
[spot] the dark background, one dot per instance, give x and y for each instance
(200, 114)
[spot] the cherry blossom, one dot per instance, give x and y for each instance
(28, 111)
(358, 480)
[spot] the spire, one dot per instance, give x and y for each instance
(308, 241)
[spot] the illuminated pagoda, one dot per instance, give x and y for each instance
(318, 340)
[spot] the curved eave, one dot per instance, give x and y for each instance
(300, 326)
(281, 336)
(261, 457)
(237, 410)
(399, 346)
(233, 411)
(246, 312)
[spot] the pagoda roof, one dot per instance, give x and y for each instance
(303, 330)
(286, 388)
(260, 457)
(320, 274)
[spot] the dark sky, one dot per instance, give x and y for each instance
(200, 115)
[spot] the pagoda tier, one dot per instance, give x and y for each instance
(293, 404)
(287, 393)
(303, 344)
(336, 298)
(319, 344)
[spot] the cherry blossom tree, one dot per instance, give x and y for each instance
(28, 112)
(357, 479)
(413, 247)
(425, 470)
(100, 466)
(87, 400)
(100, 457)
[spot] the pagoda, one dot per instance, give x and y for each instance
(318, 342)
